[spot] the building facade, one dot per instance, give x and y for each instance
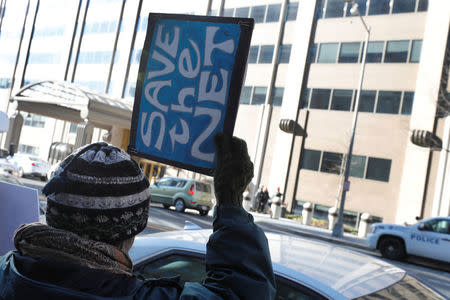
(304, 65)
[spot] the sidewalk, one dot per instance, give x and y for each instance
(294, 227)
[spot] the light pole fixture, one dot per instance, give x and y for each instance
(338, 228)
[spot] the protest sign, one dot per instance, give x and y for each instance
(18, 205)
(188, 88)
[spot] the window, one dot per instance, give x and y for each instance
(374, 52)
(277, 96)
(328, 53)
(331, 162)
(423, 5)
(335, 9)
(408, 98)
(242, 12)
(5, 83)
(357, 166)
(404, 6)
(320, 98)
(342, 100)
(228, 12)
(304, 98)
(349, 52)
(378, 169)
(436, 225)
(379, 7)
(273, 13)
(367, 101)
(311, 160)
(396, 51)
(266, 54)
(320, 212)
(258, 13)
(291, 14)
(246, 94)
(259, 95)
(28, 149)
(253, 55)
(388, 102)
(213, 12)
(320, 7)
(350, 218)
(284, 54)
(34, 121)
(361, 7)
(415, 51)
(73, 128)
(312, 53)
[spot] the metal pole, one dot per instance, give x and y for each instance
(339, 226)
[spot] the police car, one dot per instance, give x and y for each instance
(429, 238)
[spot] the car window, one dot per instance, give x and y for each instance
(440, 226)
(407, 288)
(180, 183)
(202, 187)
(192, 269)
(164, 182)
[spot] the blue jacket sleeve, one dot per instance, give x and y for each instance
(238, 260)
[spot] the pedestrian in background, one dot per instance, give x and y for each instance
(98, 201)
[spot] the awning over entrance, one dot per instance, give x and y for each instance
(73, 103)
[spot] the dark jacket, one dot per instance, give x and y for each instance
(237, 261)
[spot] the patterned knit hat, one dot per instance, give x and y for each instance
(100, 193)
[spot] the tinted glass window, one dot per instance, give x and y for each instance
(374, 52)
(259, 95)
(357, 166)
(342, 100)
(404, 6)
(415, 51)
(320, 98)
(258, 13)
(266, 54)
(408, 98)
(285, 53)
(361, 7)
(320, 7)
(423, 5)
(328, 53)
(228, 12)
(311, 160)
(331, 162)
(277, 96)
(335, 9)
(246, 94)
(202, 187)
(349, 52)
(180, 183)
(253, 55)
(379, 7)
(273, 13)
(312, 53)
(291, 14)
(378, 169)
(242, 12)
(304, 98)
(388, 102)
(367, 101)
(396, 51)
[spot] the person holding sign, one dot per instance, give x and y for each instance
(98, 202)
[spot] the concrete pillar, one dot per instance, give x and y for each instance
(332, 217)
(84, 134)
(307, 213)
(364, 225)
(14, 131)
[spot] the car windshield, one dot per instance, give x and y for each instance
(407, 288)
(202, 187)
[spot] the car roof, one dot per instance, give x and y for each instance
(329, 269)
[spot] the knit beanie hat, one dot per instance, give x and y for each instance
(98, 192)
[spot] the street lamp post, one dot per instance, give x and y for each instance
(339, 226)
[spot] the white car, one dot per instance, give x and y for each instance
(30, 165)
(304, 269)
(429, 238)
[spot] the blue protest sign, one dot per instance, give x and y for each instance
(188, 88)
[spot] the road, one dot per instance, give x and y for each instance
(161, 219)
